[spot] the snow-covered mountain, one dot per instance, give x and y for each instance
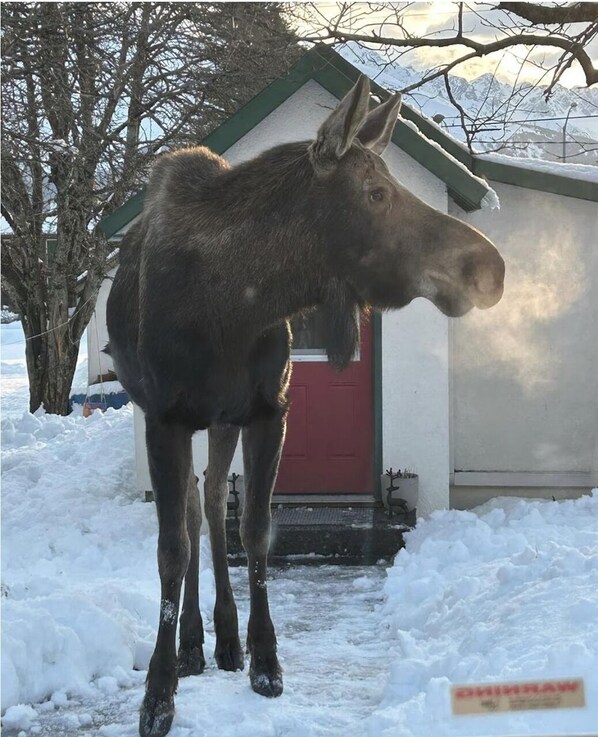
(516, 121)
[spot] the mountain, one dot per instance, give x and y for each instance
(515, 121)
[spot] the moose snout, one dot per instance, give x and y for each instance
(484, 275)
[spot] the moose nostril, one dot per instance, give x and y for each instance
(484, 272)
(483, 275)
(485, 282)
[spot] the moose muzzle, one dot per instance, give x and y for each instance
(483, 274)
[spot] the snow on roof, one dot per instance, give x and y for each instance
(490, 200)
(582, 172)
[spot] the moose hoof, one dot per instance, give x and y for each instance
(266, 678)
(191, 662)
(156, 716)
(229, 656)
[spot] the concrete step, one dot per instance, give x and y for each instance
(324, 534)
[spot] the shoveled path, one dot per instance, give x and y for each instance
(332, 648)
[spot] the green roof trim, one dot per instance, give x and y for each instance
(51, 244)
(463, 189)
(112, 223)
(329, 69)
(544, 181)
(376, 319)
(339, 75)
(260, 106)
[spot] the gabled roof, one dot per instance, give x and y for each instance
(419, 137)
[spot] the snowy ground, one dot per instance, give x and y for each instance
(509, 592)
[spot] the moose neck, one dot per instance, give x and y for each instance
(276, 257)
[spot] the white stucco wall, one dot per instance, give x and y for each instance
(415, 393)
(97, 334)
(525, 374)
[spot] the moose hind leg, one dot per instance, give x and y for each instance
(191, 660)
(262, 444)
(169, 455)
(222, 443)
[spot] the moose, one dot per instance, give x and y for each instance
(219, 261)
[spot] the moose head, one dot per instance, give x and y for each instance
(389, 245)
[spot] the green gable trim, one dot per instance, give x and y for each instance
(51, 244)
(337, 76)
(463, 189)
(123, 215)
(543, 181)
(376, 319)
(331, 71)
(264, 103)
(428, 128)
(328, 68)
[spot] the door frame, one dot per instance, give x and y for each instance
(376, 318)
(377, 439)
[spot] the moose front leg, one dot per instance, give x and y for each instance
(222, 443)
(191, 659)
(262, 444)
(169, 455)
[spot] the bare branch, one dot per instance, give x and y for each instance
(542, 14)
(479, 49)
(90, 93)
(392, 34)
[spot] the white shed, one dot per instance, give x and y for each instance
(503, 401)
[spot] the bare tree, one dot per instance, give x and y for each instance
(90, 93)
(555, 38)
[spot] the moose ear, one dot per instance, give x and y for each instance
(337, 132)
(377, 129)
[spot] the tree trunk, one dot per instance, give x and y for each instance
(51, 364)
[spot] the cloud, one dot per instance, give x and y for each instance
(439, 19)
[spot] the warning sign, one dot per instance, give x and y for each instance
(490, 698)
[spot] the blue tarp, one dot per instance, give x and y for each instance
(109, 400)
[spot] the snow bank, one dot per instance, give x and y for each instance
(507, 593)
(15, 395)
(79, 581)
(60, 540)
(79, 576)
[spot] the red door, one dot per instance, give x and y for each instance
(329, 441)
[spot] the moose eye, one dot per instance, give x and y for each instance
(377, 195)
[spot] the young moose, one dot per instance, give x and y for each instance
(219, 261)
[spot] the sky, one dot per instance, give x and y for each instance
(481, 21)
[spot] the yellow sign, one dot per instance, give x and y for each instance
(490, 698)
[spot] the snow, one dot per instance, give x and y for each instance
(581, 172)
(19, 717)
(519, 120)
(490, 199)
(59, 145)
(13, 369)
(508, 592)
(505, 592)
(105, 387)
